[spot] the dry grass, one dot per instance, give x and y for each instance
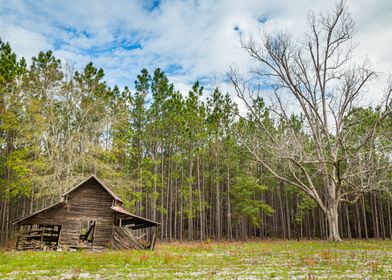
(144, 258)
(309, 261)
(326, 255)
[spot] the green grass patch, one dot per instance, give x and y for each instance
(251, 260)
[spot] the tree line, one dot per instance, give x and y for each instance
(191, 160)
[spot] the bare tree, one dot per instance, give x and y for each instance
(317, 78)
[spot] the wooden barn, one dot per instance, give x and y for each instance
(89, 216)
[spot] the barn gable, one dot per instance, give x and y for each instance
(89, 190)
(94, 180)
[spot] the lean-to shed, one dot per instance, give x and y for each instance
(90, 216)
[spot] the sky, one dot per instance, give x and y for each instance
(189, 40)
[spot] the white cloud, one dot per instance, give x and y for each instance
(25, 42)
(198, 36)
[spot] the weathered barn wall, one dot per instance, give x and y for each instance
(89, 202)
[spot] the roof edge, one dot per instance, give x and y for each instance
(92, 176)
(125, 212)
(35, 213)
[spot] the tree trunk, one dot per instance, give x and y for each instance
(200, 199)
(364, 217)
(190, 197)
(229, 229)
(170, 206)
(162, 196)
(217, 201)
(333, 223)
(154, 202)
(389, 218)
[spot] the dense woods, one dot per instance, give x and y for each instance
(191, 160)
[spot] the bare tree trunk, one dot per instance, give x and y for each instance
(359, 229)
(375, 217)
(349, 235)
(364, 217)
(333, 223)
(31, 208)
(2, 212)
(389, 218)
(4, 234)
(382, 222)
(287, 214)
(282, 218)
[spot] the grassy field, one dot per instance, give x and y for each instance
(251, 260)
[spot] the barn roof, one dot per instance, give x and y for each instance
(35, 213)
(93, 177)
(129, 218)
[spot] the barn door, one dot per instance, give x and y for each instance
(87, 230)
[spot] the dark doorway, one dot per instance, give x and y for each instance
(86, 237)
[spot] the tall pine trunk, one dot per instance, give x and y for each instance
(200, 199)
(190, 197)
(217, 191)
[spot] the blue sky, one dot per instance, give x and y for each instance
(190, 40)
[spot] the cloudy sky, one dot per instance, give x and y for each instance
(190, 40)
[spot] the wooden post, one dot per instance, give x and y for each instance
(92, 236)
(42, 237)
(18, 237)
(153, 238)
(59, 236)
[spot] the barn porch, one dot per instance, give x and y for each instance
(133, 232)
(38, 237)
